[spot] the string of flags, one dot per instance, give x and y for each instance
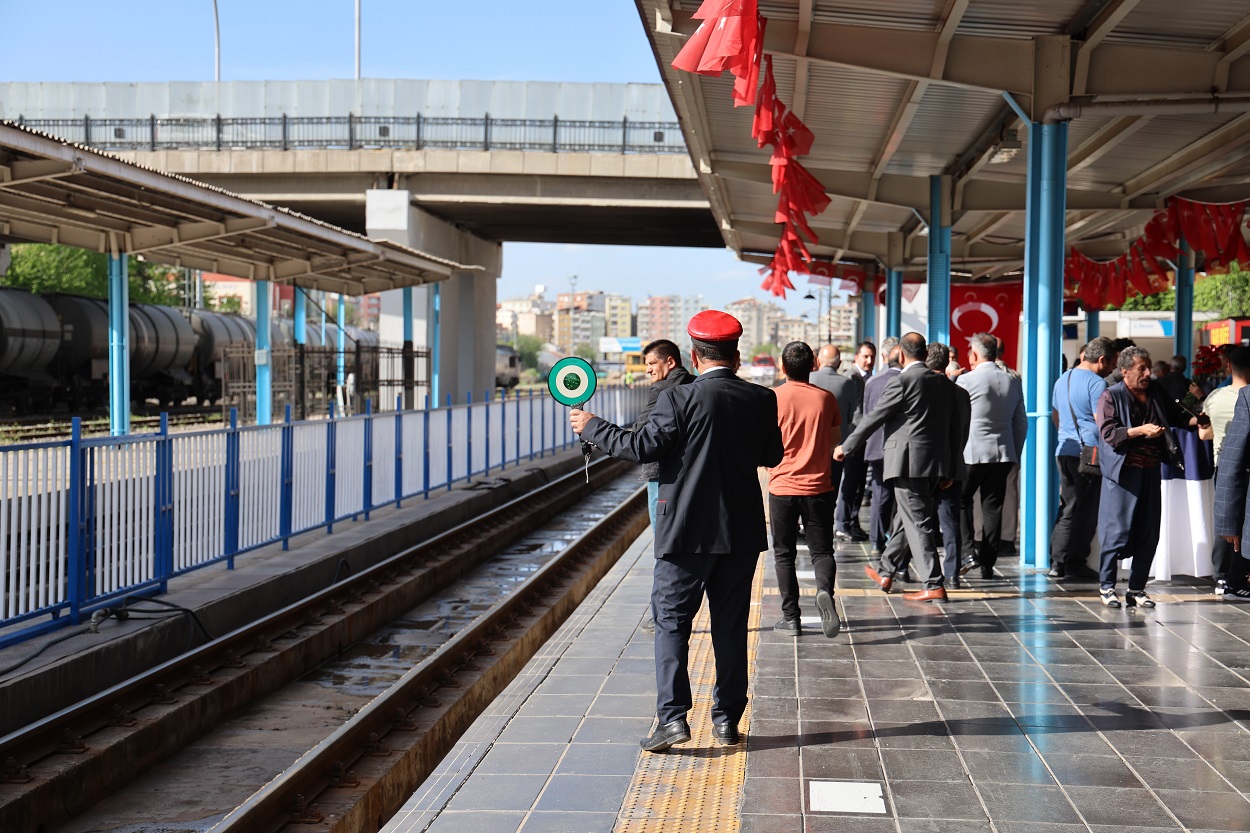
(731, 39)
(1212, 230)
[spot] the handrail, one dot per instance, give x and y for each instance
(352, 132)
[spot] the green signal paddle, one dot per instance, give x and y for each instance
(572, 381)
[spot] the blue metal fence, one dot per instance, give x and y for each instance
(86, 521)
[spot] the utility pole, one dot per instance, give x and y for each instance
(357, 40)
(216, 44)
(572, 318)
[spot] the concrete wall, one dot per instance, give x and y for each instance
(467, 301)
(368, 97)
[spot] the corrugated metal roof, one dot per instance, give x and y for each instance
(1018, 18)
(948, 121)
(1162, 137)
(893, 14)
(1169, 23)
(850, 111)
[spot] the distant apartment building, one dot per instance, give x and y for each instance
(619, 312)
(666, 316)
(575, 328)
(759, 321)
(526, 323)
(841, 322)
(797, 329)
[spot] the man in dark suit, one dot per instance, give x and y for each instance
(1230, 491)
(882, 514)
(664, 368)
(854, 467)
(709, 437)
(848, 394)
(922, 437)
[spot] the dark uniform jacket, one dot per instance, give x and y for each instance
(924, 428)
(1233, 474)
(874, 449)
(709, 437)
(677, 376)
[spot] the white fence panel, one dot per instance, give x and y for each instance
(34, 506)
(384, 461)
(440, 441)
(501, 440)
(477, 436)
(349, 467)
(459, 442)
(260, 485)
(528, 417)
(414, 452)
(199, 498)
(124, 487)
(308, 489)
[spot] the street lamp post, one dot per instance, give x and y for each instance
(572, 312)
(216, 44)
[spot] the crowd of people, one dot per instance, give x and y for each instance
(936, 445)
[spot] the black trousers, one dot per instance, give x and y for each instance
(914, 531)
(851, 492)
(1131, 511)
(1229, 565)
(1079, 497)
(784, 514)
(678, 585)
(950, 519)
(990, 479)
(882, 513)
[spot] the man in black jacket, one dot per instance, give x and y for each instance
(663, 359)
(709, 437)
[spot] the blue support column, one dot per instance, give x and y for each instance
(264, 370)
(1093, 325)
(323, 319)
(1183, 337)
(409, 358)
(119, 345)
(868, 311)
(436, 333)
(939, 277)
(341, 347)
(301, 317)
(1028, 333)
(1052, 204)
(894, 303)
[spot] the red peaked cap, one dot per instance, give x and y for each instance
(714, 326)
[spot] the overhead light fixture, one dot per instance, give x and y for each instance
(1007, 148)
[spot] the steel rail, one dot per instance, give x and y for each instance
(56, 767)
(363, 773)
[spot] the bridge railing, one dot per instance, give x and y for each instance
(85, 522)
(353, 132)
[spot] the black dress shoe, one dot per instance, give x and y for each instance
(969, 565)
(790, 627)
(988, 574)
(1080, 572)
(905, 576)
(725, 734)
(667, 734)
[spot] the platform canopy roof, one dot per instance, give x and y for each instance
(897, 91)
(52, 191)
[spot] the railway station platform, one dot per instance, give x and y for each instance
(1022, 706)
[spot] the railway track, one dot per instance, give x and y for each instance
(46, 428)
(359, 771)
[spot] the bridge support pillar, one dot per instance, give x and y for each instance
(264, 365)
(1183, 337)
(939, 278)
(1043, 336)
(453, 319)
(119, 344)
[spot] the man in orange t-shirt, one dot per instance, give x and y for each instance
(800, 488)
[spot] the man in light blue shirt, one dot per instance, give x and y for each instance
(1078, 493)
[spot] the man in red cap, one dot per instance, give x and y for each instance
(709, 437)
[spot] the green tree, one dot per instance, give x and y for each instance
(587, 352)
(1226, 295)
(1162, 301)
(45, 269)
(229, 303)
(527, 347)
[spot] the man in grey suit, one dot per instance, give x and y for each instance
(844, 389)
(919, 411)
(995, 440)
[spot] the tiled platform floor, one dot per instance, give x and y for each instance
(1023, 706)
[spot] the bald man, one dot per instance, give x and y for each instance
(844, 389)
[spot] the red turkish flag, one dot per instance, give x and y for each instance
(794, 137)
(745, 85)
(992, 308)
(762, 126)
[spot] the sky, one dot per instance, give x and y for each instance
(598, 41)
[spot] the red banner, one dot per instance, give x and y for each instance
(987, 308)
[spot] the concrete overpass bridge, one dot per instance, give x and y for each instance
(453, 168)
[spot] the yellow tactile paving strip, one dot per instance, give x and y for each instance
(695, 787)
